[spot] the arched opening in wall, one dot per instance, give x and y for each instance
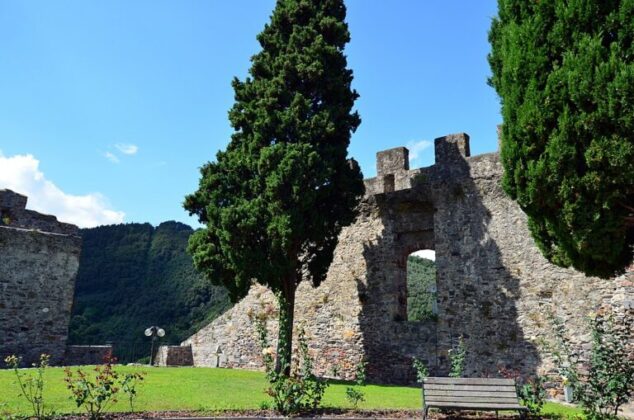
(421, 286)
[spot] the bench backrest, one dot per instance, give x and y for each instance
(470, 391)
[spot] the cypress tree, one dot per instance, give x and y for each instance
(564, 71)
(274, 202)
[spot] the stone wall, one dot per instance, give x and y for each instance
(494, 288)
(39, 258)
(174, 356)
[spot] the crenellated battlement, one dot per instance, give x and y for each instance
(394, 174)
(14, 214)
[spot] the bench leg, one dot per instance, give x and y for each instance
(425, 413)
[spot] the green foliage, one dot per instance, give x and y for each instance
(457, 359)
(421, 276)
(564, 71)
(533, 395)
(97, 395)
(274, 202)
(94, 395)
(129, 383)
(354, 395)
(31, 383)
(422, 371)
(132, 276)
(291, 394)
(605, 382)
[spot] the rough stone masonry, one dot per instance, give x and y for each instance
(494, 288)
(39, 258)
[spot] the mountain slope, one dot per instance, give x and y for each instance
(133, 276)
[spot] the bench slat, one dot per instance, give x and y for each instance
(505, 400)
(504, 388)
(434, 392)
(469, 381)
(477, 406)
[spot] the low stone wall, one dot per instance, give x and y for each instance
(174, 356)
(87, 355)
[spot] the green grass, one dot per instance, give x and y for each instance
(170, 389)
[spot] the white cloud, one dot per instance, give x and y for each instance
(21, 174)
(111, 157)
(426, 253)
(127, 149)
(416, 148)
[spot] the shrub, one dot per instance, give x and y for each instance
(457, 359)
(531, 392)
(31, 384)
(129, 385)
(422, 371)
(94, 395)
(606, 381)
(532, 395)
(297, 392)
(98, 394)
(353, 394)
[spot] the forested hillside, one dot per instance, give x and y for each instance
(133, 276)
(421, 278)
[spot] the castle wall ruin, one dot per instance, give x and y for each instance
(494, 287)
(39, 258)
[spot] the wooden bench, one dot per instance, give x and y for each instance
(485, 394)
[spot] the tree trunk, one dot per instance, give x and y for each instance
(286, 301)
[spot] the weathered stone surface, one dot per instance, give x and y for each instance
(494, 287)
(39, 258)
(174, 356)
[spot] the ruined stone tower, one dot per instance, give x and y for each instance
(39, 258)
(494, 288)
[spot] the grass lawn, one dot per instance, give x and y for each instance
(171, 389)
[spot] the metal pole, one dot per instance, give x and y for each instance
(152, 351)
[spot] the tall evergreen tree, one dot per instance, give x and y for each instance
(564, 71)
(274, 202)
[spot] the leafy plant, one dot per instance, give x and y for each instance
(295, 393)
(129, 385)
(457, 359)
(604, 382)
(31, 384)
(422, 371)
(97, 394)
(533, 395)
(531, 392)
(353, 394)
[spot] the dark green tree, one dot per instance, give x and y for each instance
(274, 202)
(564, 71)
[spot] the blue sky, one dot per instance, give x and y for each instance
(108, 109)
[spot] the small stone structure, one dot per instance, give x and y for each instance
(174, 356)
(39, 258)
(494, 287)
